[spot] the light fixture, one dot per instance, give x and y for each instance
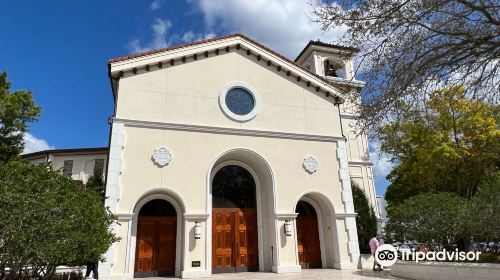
(197, 230)
(288, 228)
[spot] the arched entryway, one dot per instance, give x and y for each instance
(155, 253)
(316, 231)
(309, 248)
(234, 220)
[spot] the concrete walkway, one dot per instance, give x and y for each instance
(306, 274)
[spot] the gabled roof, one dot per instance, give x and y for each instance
(323, 44)
(165, 55)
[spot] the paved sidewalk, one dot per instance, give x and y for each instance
(306, 274)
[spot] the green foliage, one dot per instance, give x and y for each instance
(433, 218)
(485, 211)
(17, 109)
(451, 145)
(96, 183)
(47, 220)
(366, 221)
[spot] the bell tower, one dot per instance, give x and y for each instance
(328, 60)
(334, 63)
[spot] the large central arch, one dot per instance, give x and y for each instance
(258, 167)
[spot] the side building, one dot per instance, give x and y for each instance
(78, 164)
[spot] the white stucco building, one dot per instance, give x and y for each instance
(225, 156)
(78, 164)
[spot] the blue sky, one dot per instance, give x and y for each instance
(59, 50)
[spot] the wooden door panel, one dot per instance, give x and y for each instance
(234, 234)
(222, 233)
(309, 249)
(145, 244)
(165, 260)
(156, 246)
(247, 239)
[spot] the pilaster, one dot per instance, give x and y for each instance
(350, 217)
(113, 185)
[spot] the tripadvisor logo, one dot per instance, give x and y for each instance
(386, 255)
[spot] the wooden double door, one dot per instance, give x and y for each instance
(309, 248)
(155, 249)
(234, 240)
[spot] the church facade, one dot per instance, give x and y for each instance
(226, 156)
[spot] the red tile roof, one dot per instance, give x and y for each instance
(199, 42)
(323, 44)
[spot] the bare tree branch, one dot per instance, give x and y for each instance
(409, 48)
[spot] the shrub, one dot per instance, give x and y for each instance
(438, 219)
(366, 221)
(47, 220)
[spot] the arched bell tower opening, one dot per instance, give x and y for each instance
(333, 68)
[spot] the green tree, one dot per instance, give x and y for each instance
(450, 145)
(433, 218)
(96, 183)
(366, 221)
(485, 210)
(47, 220)
(17, 109)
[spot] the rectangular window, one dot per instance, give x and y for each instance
(99, 166)
(68, 168)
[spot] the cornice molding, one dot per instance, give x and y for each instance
(345, 215)
(346, 82)
(360, 162)
(229, 130)
(124, 216)
(286, 216)
(196, 217)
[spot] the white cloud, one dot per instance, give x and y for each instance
(155, 5)
(381, 163)
(160, 29)
(188, 36)
(33, 144)
(284, 26)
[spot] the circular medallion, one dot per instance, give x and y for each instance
(310, 164)
(162, 156)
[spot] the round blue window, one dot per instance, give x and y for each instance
(240, 101)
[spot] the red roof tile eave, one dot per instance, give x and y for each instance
(194, 43)
(123, 58)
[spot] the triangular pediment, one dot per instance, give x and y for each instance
(169, 57)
